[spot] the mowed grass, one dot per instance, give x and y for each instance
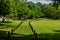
(24, 32)
(8, 25)
(46, 26)
(24, 29)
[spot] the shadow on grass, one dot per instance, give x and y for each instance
(56, 30)
(2, 24)
(8, 22)
(22, 37)
(49, 36)
(42, 36)
(45, 36)
(3, 35)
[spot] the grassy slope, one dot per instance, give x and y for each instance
(46, 25)
(24, 29)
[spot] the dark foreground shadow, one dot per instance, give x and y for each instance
(45, 36)
(22, 37)
(49, 36)
(3, 35)
(42, 36)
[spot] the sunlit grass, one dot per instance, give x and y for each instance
(46, 25)
(8, 25)
(24, 29)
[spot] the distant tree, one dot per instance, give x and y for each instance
(51, 12)
(56, 3)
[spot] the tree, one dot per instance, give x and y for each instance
(7, 7)
(4, 8)
(51, 12)
(56, 3)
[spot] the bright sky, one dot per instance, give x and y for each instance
(41, 1)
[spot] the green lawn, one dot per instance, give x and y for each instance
(46, 25)
(24, 32)
(46, 29)
(24, 29)
(8, 25)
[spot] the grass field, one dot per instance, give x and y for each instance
(24, 29)
(24, 32)
(46, 25)
(8, 25)
(46, 29)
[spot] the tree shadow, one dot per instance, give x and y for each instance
(56, 30)
(42, 36)
(3, 35)
(2, 24)
(8, 22)
(49, 36)
(5, 25)
(22, 37)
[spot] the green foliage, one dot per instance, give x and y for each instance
(51, 12)
(28, 10)
(4, 7)
(56, 3)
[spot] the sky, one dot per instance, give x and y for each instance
(41, 1)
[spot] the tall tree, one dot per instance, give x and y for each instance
(4, 8)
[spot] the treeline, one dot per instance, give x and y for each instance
(28, 10)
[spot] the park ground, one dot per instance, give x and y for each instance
(46, 29)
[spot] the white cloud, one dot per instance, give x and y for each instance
(42, 1)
